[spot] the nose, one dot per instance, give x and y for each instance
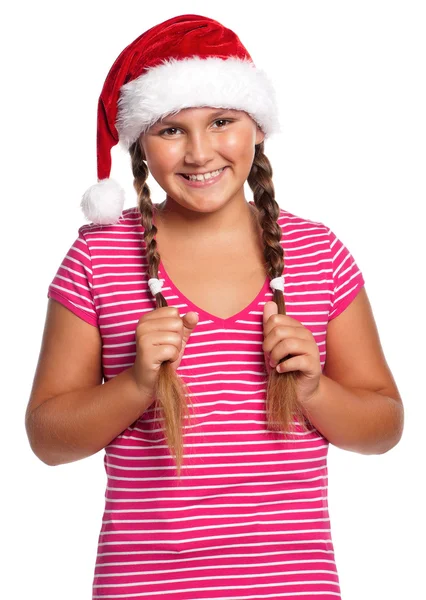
(199, 148)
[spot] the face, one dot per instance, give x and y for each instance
(202, 140)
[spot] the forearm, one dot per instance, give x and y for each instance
(77, 424)
(355, 419)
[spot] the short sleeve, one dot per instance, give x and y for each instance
(347, 277)
(72, 285)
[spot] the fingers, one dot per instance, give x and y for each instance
(164, 312)
(164, 324)
(288, 347)
(161, 319)
(276, 320)
(285, 333)
(164, 343)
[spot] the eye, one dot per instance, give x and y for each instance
(169, 129)
(165, 131)
(223, 121)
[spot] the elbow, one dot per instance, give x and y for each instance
(397, 429)
(32, 439)
(47, 460)
(41, 456)
(391, 444)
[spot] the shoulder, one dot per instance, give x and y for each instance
(306, 238)
(299, 230)
(129, 222)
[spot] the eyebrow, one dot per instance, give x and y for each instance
(172, 121)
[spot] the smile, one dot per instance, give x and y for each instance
(205, 180)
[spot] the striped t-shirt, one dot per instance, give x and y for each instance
(248, 518)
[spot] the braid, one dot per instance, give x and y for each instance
(281, 396)
(140, 173)
(170, 403)
(172, 397)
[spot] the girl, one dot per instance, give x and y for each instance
(213, 346)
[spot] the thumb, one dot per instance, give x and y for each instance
(190, 320)
(269, 308)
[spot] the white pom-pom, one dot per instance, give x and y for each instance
(103, 202)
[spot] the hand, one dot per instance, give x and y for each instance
(287, 337)
(161, 335)
(189, 321)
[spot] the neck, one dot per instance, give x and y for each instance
(234, 222)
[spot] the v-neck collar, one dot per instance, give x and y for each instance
(203, 314)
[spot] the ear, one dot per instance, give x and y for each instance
(260, 135)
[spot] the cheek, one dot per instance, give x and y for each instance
(238, 147)
(166, 159)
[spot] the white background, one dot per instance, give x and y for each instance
(350, 80)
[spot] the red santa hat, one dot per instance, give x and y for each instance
(187, 61)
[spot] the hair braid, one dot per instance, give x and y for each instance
(281, 397)
(171, 406)
(171, 391)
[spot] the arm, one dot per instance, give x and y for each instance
(77, 424)
(357, 406)
(71, 414)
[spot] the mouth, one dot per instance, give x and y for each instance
(203, 181)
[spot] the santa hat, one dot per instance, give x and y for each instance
(187, 61)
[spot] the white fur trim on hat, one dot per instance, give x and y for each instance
(103, 202)
(176, 84)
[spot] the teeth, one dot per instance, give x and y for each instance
(206, 176)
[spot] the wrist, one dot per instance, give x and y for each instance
(317, 395)
(138, 390)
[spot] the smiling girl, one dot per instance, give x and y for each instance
(212, 346)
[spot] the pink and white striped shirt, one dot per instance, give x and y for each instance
(249, 518)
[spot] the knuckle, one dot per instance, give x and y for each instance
(139, 336)
(178, 324)
(286, 346)
(292, 344)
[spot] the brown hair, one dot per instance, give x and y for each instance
(171, 391)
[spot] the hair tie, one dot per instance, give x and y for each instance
(277, 283)
(155, 285)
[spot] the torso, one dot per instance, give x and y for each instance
(221, 281)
